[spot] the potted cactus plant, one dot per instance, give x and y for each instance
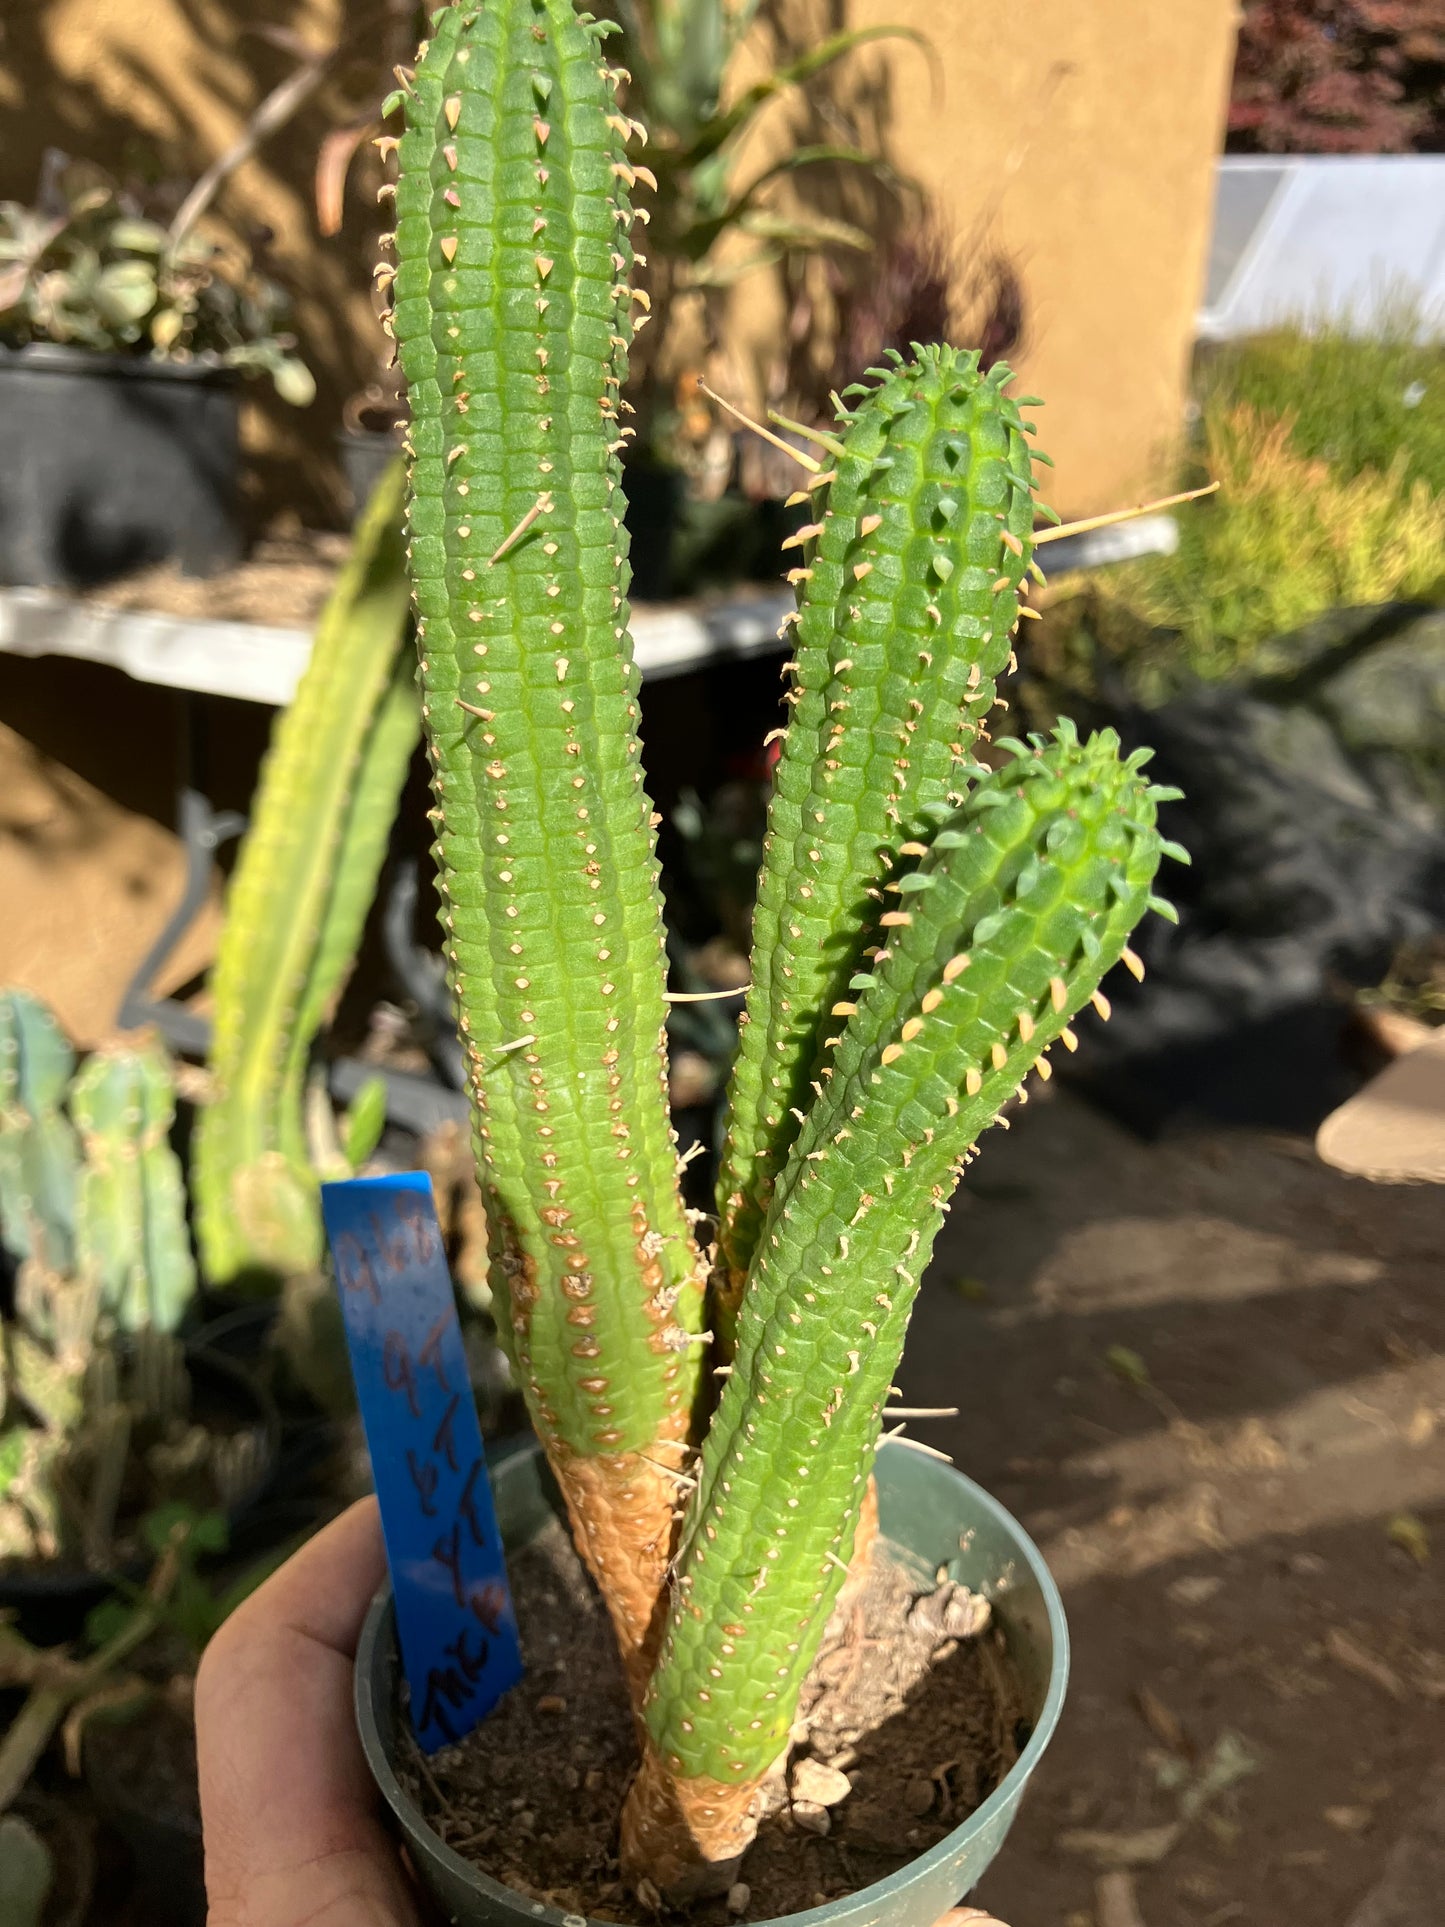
(710, 1395)
(105, 1413)
(121, 341)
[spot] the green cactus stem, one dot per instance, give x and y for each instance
(296, 908)
(915, 571)
(1025, 898)
(926, 928)
(131, 1235)
(512, 313)
(38, 1152)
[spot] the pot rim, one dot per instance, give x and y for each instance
(380, 1625)
(65, 357)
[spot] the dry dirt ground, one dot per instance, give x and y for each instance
(1209, 1376)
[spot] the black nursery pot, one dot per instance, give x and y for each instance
(932, 1517)
(365, 454)
(112, 463)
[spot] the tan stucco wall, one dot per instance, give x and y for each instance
(1076, 138)
(1080, 133)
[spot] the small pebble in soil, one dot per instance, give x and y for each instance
(823, 1785)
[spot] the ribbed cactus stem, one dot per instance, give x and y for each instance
(513, 314)
(925, 929)
(297, 905)
(916, 563)
(1025, 898)
(38, 1152)
(131, 1235)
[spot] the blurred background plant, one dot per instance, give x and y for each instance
(295, 912)
(87, 267)
(1329, 446)
(96, 1422)
(1339, 77)
(131, 1671)
(708, 227)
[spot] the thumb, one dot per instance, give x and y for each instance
(289, 1812)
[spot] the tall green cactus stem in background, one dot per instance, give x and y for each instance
(297, 904)
(1025, 897)
(131, 1236)
(512, 314)
(914, 572)
(39, 1157)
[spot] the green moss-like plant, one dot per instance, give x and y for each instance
(928, 928)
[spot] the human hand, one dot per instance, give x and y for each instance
(292, 1833)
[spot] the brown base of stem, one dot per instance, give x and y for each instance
(687, 1837)
(622, 1514)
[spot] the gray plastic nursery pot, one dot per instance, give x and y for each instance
(932, 1516)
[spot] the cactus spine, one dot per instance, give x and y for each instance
(512, 316)
(926, 929)
(296, 908)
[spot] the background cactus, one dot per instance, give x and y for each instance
(38, 1151)
(296, 908)
(95, 1415)
(927, 929)
(131, 1235)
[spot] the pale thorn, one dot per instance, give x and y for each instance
(1122, 515)
(917, 1445)
(1132, 963)
(703, 996)
(803, 461)
(541, 506)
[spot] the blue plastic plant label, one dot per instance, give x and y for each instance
(454, 1611)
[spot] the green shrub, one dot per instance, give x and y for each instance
(1329, 450)
(1355, 401)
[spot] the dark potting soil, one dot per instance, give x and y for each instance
(145, 1767)
(911, 1716)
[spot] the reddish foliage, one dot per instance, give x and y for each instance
(1340, 77)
